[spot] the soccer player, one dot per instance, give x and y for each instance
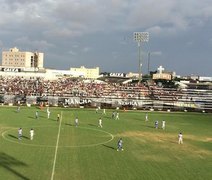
(163, 124)
(120, 144)
(113, 115)
(117, 116)
(31, 133)
(18, 108)
(20, 133)
(104, 112)
(156, 124)
(97, 110)
(76, 122)
(48, 113)
(100, 122)
(146, 118)
(58, 117)
(36, 115)
(180, 138)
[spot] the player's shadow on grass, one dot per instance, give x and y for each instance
(93, 125)
(110, 147)
(12, 136)
(51, 119)
(69, 124)
(106, 117)
(32, 117)
(7, 162)
(148, 126)
(25, 137)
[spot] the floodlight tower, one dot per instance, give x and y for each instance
(140, 37)
(149, 63)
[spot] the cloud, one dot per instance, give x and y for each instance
(26, 43)
(155, 30)
(61, 33)
(73, 18)
(86, 49)
(72, 27)
(156, 53)
(72, 53)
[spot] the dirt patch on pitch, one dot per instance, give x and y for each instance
(169, 142)
(156, 158)
(148, 136)
(208, 140)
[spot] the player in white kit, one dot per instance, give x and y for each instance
(146, 117)
(104, 112)
(163, 124)
(48, 114)
(180, 138)
(100, 122)
(76, 122)
(20, 133)
(117, 116)
(31, 132)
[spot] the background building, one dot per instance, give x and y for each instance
(29, 65)
(162, 75)
(24, 60)
(87, 73)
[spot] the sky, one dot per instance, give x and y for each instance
(99, 33)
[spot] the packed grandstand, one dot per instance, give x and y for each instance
(75, 92)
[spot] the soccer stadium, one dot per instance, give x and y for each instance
(105, 90)
(110, 127)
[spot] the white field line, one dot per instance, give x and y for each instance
(56, 148)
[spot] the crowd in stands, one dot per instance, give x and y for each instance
(69, 87)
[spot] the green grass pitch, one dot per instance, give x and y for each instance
(61, 151)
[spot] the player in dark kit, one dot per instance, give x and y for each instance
(120, 145)
(156, 124)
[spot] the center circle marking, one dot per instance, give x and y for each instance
(60, 146)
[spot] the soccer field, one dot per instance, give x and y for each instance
(61, 151)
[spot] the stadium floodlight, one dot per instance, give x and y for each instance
(140, 37)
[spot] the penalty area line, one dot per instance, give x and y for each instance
(56, 148)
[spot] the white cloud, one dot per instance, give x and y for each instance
(75, 46)
(58, 26)
(74, 18)
(73, 53)
(86, 49)
(61, 33)
(155, 30)
(156, 53)
(26, 43)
